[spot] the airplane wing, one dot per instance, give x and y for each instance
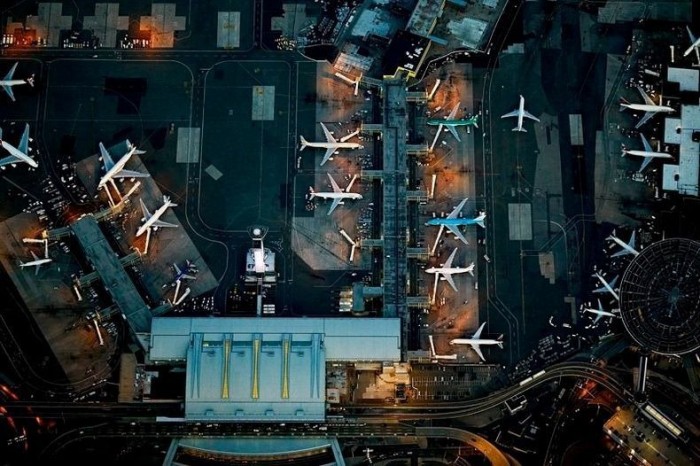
(335, 204)
(329, 152)
(106, 158)
(34, 256)
(530, 115)
(36, 269)
(477, 334)
(10, 159)
(162, 224)
(177, 269)
(10, 73)
(448, 278)
(454, 111)
(130, 174)
(647, 99)
(476, 348)
(597, 318)
(8, 89)
(329, 136)
(632, 239)
(613, 281)
(188, 277)
(690, 34)
(448, 264)
(645, 162)
(24, 142)
(514, 113)
(336, 188)
(144, 210)
(455, 231)
(644, 119)
(453, 130)
(647, 146)
(457, 209)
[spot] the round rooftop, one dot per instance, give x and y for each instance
(660, 297)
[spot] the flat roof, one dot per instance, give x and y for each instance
(687, 79)
(253, 369)
(116, 281)
(688, 167)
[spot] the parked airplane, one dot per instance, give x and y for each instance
(116, 170)
(649, 107)
(436, 357)
(648, 153)
(475, 341)
(331, 145)
(451, 123)
(607, 287)
(520, 112)
(183, 274)
(453, 222)
(600, 312)
(7, 82)
(17, 154)
(37, 262)
(152, 220)
(694, 45)
(338, 195)
(627, 248)
(445, 271)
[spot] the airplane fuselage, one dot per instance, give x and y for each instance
(599, 312)
(19, 154)
(451, 221)
(334, 145)
(649, 108)
(472, 341)
(449, 270)
(154, 218)
(13, 82)
(439, 121)
(329, 195)
(646, 153)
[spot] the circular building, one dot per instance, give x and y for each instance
(660, 297)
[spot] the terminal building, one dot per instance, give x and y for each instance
(266, 370)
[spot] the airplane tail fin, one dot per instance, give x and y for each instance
(30, 80)
(624, 103)
(304, 143)
(312, 193)
(523, 130)
(166, 200)
(480, 220)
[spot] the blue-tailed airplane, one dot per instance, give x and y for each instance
(453, 222)
(451, 123)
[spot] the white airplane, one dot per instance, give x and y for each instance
(19, 153)
(520, 112)
(7, 82)
(607, 287)
(445, 271)
(338, 195)
(475, 341)
(600, 312)
(649, 107)
(37, 262)
(627, 248)
(694, 45)
(433, 354)
(116, 170)
(152, 220)
(648, 153)
(453, 222)
(331, 145)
